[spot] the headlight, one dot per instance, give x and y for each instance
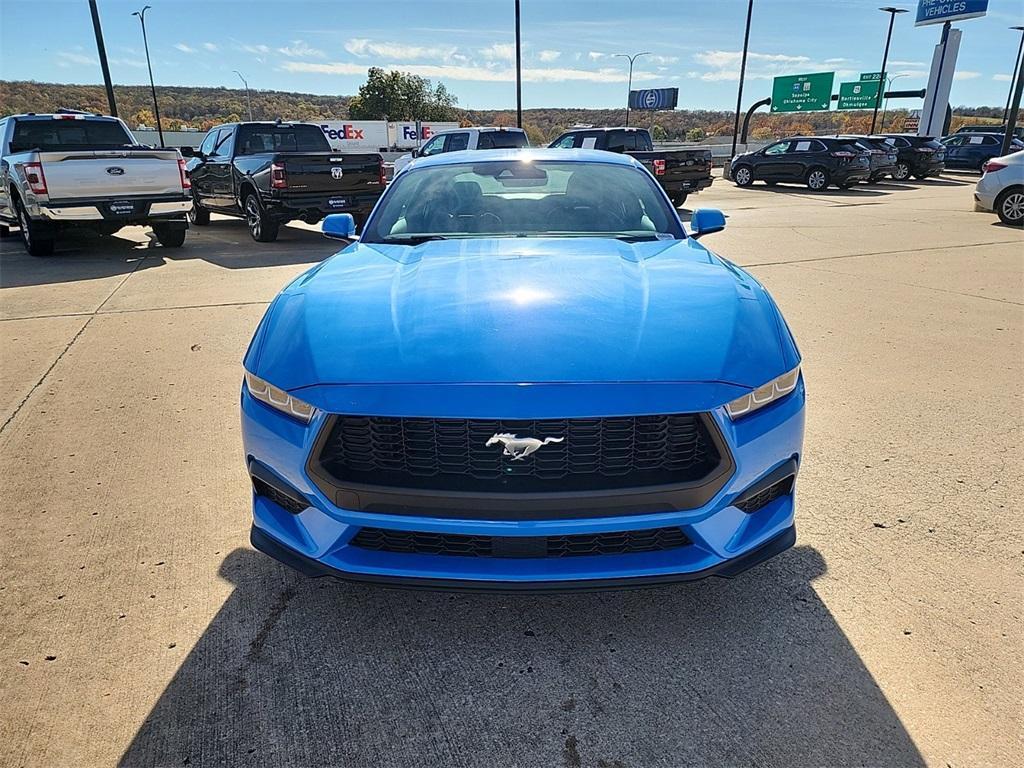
(763, 395)
(278, 399)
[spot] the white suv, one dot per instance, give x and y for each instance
(466, 138)
(1001, 189)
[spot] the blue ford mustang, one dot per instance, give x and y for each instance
(525, 374)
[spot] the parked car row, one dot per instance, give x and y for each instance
(843, 161)
(970, 150)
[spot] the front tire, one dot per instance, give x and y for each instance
(37, 238)
(818, 179)
(901, 172)
(743, 176)
(169, 235)
(680, 199)
(198, 215)
(1010, 206)
(262, 228)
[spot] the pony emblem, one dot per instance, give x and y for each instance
(520, 447)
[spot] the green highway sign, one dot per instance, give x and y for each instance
(868, 76)
(802, 93)
(860, 95)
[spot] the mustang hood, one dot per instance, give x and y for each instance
(519, 310)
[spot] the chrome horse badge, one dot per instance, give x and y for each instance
(520, 447)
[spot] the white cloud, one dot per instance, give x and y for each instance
(499, 52)
(211, 47)
(896, 63)
(480, 74)
(253, 48)
(66, 58)
(301, 50)
(1002, 78)
(966, 74)
(657, 59)
(137, 63)
(549, 56)
(363, 47)
(184, 48)
(725, 65)
(596, 55)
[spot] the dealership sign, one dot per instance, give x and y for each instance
(802, 93)
(859, 95)
(941, 11)
(654, 98)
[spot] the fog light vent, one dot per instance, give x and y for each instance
(286, 501)
(767, 495)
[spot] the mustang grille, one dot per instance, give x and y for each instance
(583, 455)
(618, 543)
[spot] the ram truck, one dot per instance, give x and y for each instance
(270, 173)
(80, 170)
(680, 172)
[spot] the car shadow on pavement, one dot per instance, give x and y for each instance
(297, 672)
(87, 256)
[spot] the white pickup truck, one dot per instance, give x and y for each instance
(73, 169)
(465, 139)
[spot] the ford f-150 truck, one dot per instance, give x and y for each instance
(273, 173)
(680, 172)
(75, 169)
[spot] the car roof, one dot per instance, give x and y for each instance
(480, 129)
(605, 129)
(528, 153)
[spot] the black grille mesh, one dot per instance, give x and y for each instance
(583, 455)
(281, 499)
(617, 543)
(768, 495)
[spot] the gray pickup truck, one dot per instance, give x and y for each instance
(80, 170)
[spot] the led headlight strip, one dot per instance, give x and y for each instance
(764, 395)
(277, 398)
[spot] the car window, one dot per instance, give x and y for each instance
(433, 147)
(777, 149)
(977, 139)
(225, 143)
(209, 142)
(616, 141)
(588, 141)
(990, 140)
(48, 134)
(901, 142)
(932, 144)
(565, 142)
(515, 199)
(457, 142)
(502, 140)
(258, 138)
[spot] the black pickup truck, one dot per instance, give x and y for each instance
(273, 173)
(681, 172)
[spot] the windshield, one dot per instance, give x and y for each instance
(49, 135)
(515, 198)
(256, 139)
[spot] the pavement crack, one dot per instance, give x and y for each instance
(861, 255)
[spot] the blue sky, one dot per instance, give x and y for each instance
(326, 47)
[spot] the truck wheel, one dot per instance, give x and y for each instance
(262, 228)
(198, 215)
(817, 180)
(680, 199)
(901, 172)
(38, 238)
(1010, 206)
(170, 235)
(743, 176)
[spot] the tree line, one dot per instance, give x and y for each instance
(400, 96)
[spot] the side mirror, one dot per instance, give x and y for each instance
(187, 151)
(415, 153)
(340, 226)
(705, 221)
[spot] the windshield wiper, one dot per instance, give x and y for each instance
(411, 239)
(640, 238)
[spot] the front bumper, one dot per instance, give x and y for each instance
(316, 537)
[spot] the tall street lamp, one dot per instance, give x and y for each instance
(629, 85)
(888, 87)
(248, 100)
(1016, 72)
(519, 73)
(885, 59)
(152, 88)
(743, 70)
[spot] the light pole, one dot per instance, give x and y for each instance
(519, 73)
(248, 100)
(888, 87)
(629, 85)
(1016, 71)
(152, 88)
(102, 51)
(743, 70)
(885, 59)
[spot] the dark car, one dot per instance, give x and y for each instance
(816, 161)
(1018, 131)
(917, 156)
(971, 151)
(680, 172)
(883, 156)
(273, 173)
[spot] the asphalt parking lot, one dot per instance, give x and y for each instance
(138, 628)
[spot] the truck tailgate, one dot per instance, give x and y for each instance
(330, 171)
(110, 174)
(677, 165)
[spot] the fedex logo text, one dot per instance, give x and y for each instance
(346, 132)
(409, 132)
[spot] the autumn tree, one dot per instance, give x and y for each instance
(401, 96)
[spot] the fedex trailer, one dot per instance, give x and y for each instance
(355, 135)
(405, 135)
